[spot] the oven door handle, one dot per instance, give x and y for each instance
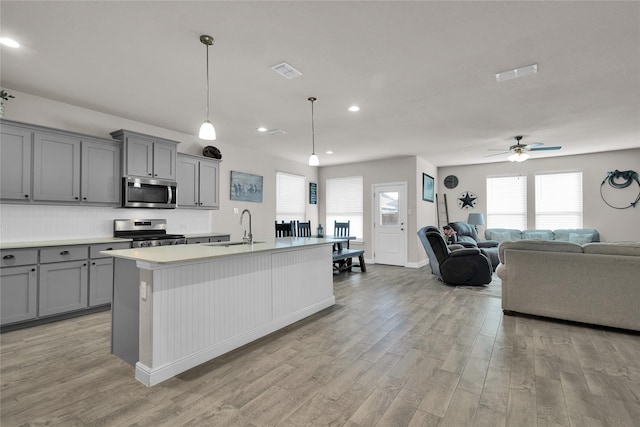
(170, 193)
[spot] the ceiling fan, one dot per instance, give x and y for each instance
(519, 151)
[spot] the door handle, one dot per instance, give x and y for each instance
(170, 192)
(64, 253)
(8, 257)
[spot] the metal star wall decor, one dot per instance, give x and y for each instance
(467, 200)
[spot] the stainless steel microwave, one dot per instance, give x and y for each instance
(148, 193)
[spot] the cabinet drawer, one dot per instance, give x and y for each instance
(225, 238)
(94, 250)
(63, 253)
(15, 257)
(196, 240)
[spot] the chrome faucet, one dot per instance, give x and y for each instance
(247, 239)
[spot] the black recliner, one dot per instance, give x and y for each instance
(467, 236)
(465, 266)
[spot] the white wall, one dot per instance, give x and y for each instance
(407, 169)
(612, 224)
(38, 222)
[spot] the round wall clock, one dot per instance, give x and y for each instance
(467, 200)
(451, 181)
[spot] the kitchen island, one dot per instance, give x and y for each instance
(176, 307)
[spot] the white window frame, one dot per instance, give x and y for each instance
(345, 202)
(291, 197)
(507, 201)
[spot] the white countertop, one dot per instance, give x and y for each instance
(44, 243)
(186, 253)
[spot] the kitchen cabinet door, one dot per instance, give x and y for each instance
(209, 176)
(18, 287)
(56, 167)
(164, 160)
(187, 182)
(63, 287)
(100, 281)
(139, 161)
(100, 172)
(15, 163)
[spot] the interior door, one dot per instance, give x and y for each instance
(390, 216)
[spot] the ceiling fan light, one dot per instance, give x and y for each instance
(314, 160)
(518, 157)
(207, 131)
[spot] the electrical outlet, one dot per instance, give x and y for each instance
(236, 211)
(143, 291)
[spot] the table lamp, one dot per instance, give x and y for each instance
(475, 219)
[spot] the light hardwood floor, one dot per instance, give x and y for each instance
(398, 349)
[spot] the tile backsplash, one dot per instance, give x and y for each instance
(24, 223)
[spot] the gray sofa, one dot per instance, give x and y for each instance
(597, 283)
(573, 235)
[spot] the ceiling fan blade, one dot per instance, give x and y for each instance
(497, 154)
(546, 148)
(497, 149)
(535, 145)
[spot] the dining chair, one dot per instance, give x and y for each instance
(341, 229)
(285, 229)
(304, 228)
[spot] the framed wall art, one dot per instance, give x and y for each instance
(246, 187)
(427, 188)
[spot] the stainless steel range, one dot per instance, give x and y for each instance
(146, 232)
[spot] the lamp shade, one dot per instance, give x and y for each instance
(207, 131)
(518, 157)
(313, 160)
(475, 219)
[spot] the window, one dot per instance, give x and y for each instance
(344, 203)
(507, 202)
(559, 200)
(290, 197)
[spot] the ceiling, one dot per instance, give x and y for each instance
(423, 72)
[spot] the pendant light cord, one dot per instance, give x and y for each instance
(208, 96)
(313, 133)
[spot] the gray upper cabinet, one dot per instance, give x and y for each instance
(100, 172)
(48, 166)
(56, 168)
(198, 182)
(147, 156)
(15, 163)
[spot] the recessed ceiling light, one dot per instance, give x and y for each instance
(518, 72)
(262, 129)
(9, 42)
(354, 108)
(329, 152)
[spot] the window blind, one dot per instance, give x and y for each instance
(559, 200)
(290, 197)
(344, 203)
(507, 202)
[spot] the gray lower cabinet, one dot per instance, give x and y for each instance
(18, 285)
(209, 239)
(63, 287)
(100, 281)
(64, 279)
(18, 288)
(198, 182)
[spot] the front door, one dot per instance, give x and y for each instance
(389, 229)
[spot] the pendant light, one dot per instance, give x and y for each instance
(313, 159)
(207, 131)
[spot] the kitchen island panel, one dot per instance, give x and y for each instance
(193, 312)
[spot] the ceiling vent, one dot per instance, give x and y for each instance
(518, 72)
(286, 70)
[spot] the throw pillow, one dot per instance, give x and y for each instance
(580, 239)
(535, 235)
